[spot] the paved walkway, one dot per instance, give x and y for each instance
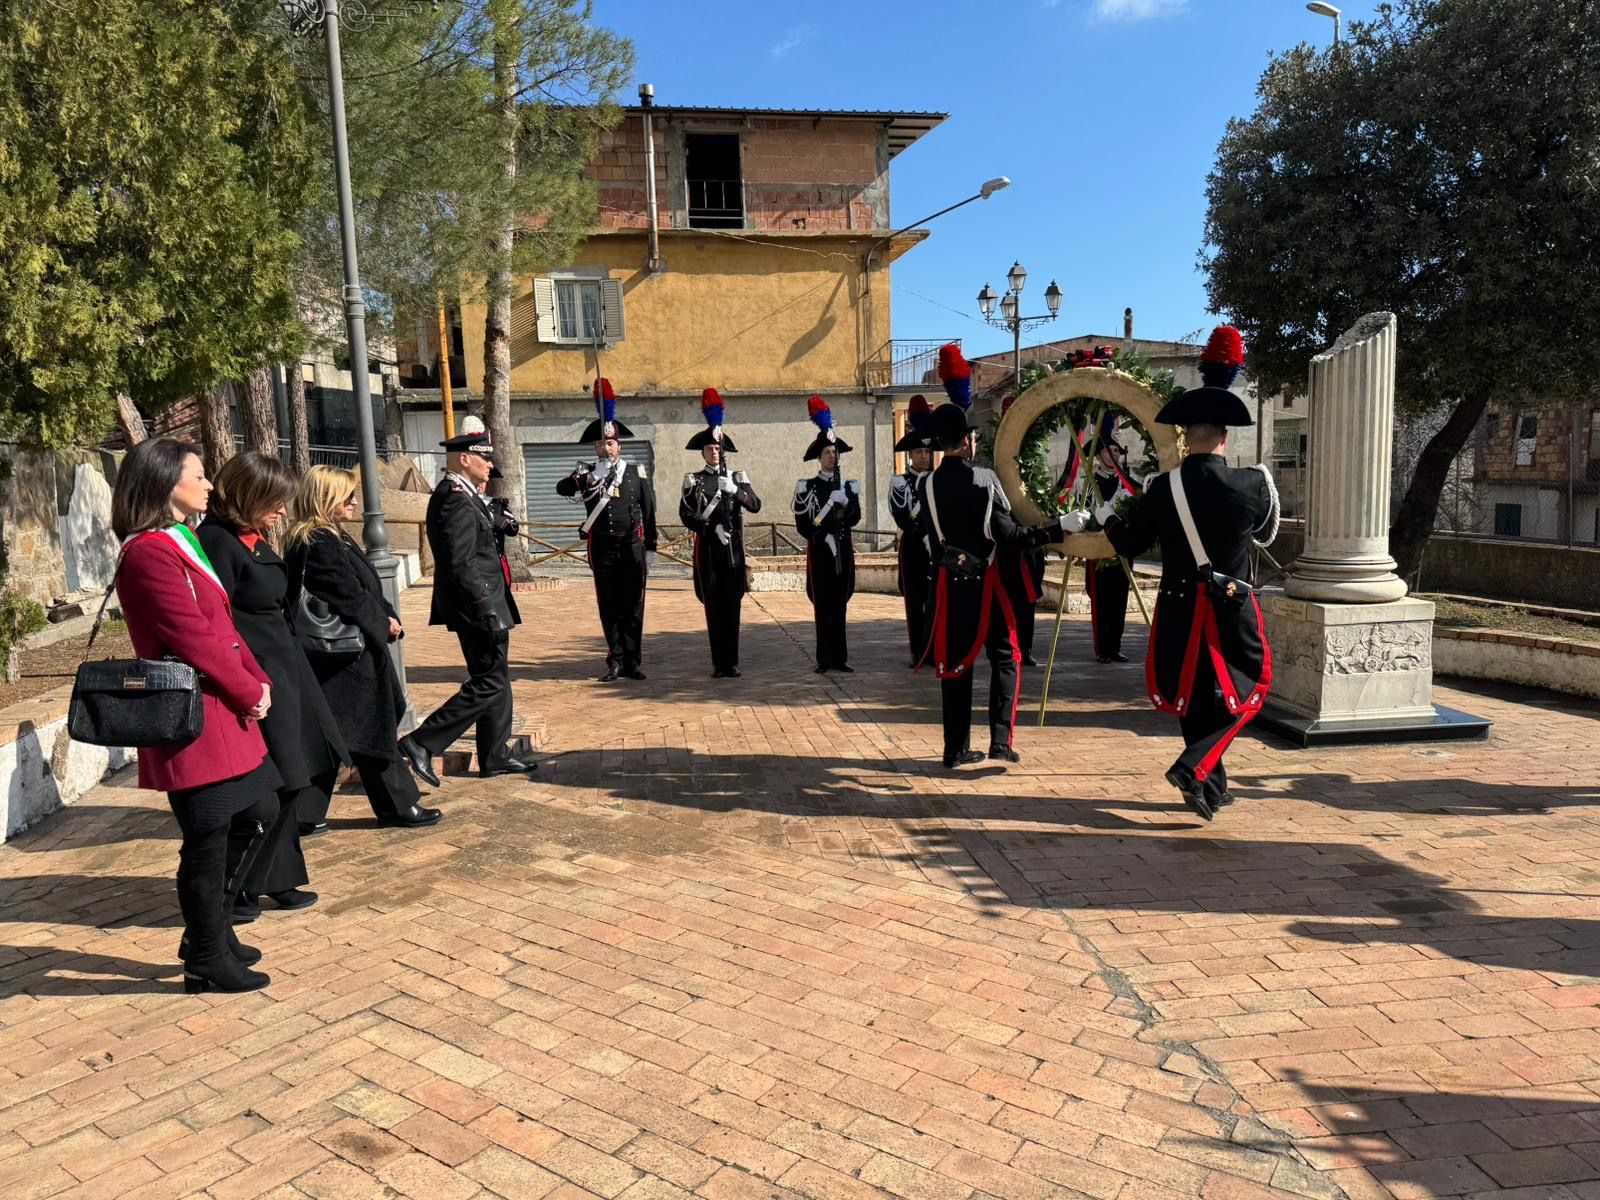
(740, 939)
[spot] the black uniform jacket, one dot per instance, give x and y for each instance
(629, 516)
(470, 589)
(826, 526)
(965, 514)
(905, 505)
(1230, 506)
(717, 520)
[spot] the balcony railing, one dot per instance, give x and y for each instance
(907, 363)
(716, 203)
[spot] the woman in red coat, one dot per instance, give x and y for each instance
(175, 607)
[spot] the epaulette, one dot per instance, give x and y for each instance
(741, 476)
(688, 480)
(800, 486)
(639, 467)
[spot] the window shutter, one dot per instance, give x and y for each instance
(544, 310)
(611, 308)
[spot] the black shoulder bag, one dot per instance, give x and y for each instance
(134, 701)
(322, 633)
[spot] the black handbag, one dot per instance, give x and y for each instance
(133, 701)
(322, 632)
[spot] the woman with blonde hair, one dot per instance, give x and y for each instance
(363, 691)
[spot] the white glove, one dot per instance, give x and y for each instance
(1073, 522)
(839, 497)
(1104, 513)
(726, 484)
(649, 560)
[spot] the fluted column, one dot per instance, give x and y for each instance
(1346, 558)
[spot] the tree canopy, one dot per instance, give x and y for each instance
(154, 165)
(1442, 163)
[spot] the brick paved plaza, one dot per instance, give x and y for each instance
(745, 939)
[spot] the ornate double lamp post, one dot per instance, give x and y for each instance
(1011, 312)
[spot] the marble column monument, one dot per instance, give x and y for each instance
(1352, 654)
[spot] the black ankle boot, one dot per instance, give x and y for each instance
(224, 973)
(248, 955)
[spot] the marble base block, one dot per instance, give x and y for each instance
(1346, 662)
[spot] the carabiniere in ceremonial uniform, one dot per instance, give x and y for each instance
(914, 562)
(1209, 662)
(621, 531)
(472, 598)
(826, 509)
(713, 505)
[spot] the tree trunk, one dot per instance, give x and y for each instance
(260, 414)
(216, 426)
(1413, 520)
(299, 426)
(497, 326)
(129, 421)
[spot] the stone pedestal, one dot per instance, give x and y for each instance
(1355, 673)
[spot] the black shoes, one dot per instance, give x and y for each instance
(1028, 660)
(312, 829)
(294, 898)
(1111, 658)
(419, 760)
(964, 759)
(509, 765)
(1193, 791)
(1004, 754)
(411, 817)
(611, 675)
(729, 673)
(635, 673)
(246, 908)
(222, 974)
(820, 669)
(846, 668)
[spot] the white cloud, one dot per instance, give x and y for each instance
(1136, 10)
(793, 38)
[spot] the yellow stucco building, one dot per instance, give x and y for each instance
(767, 278)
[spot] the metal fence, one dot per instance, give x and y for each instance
(560, 542)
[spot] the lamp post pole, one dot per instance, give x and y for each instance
(374, 533)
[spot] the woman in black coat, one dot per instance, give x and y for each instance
(363, 692)
(303, 740)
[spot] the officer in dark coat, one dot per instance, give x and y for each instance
(915, 569)
(826, 509)
(712, 506)
(966, 519)
(472, 598)
(1206, 612)
(621, 531)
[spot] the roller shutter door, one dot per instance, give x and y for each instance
(547, 463)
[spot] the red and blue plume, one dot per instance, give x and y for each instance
(1223, 357)
(918, 412)
(605, 400)
(711, 405)
(956, 375)
(821, 415)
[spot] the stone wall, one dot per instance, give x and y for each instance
(55, 520)
(1562, 576)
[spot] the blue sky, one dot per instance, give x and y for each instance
(1105, 114)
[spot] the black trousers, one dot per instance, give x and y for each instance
(1204, 725)
(483, 700)
(830, 610)
(206, 888)
(723, 607)
(388, 783)
(619, 587)
(917, 617)
(956, 694)
(1025, 613)
(1108, 597)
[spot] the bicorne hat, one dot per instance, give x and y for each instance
(713, 409)
(605, 425)
(1213, 403)
(916, 435)
(822, 418)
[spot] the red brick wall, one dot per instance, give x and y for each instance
(798, 173)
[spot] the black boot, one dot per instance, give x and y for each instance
(248, 955)
(1193, 791)
(222, 974)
